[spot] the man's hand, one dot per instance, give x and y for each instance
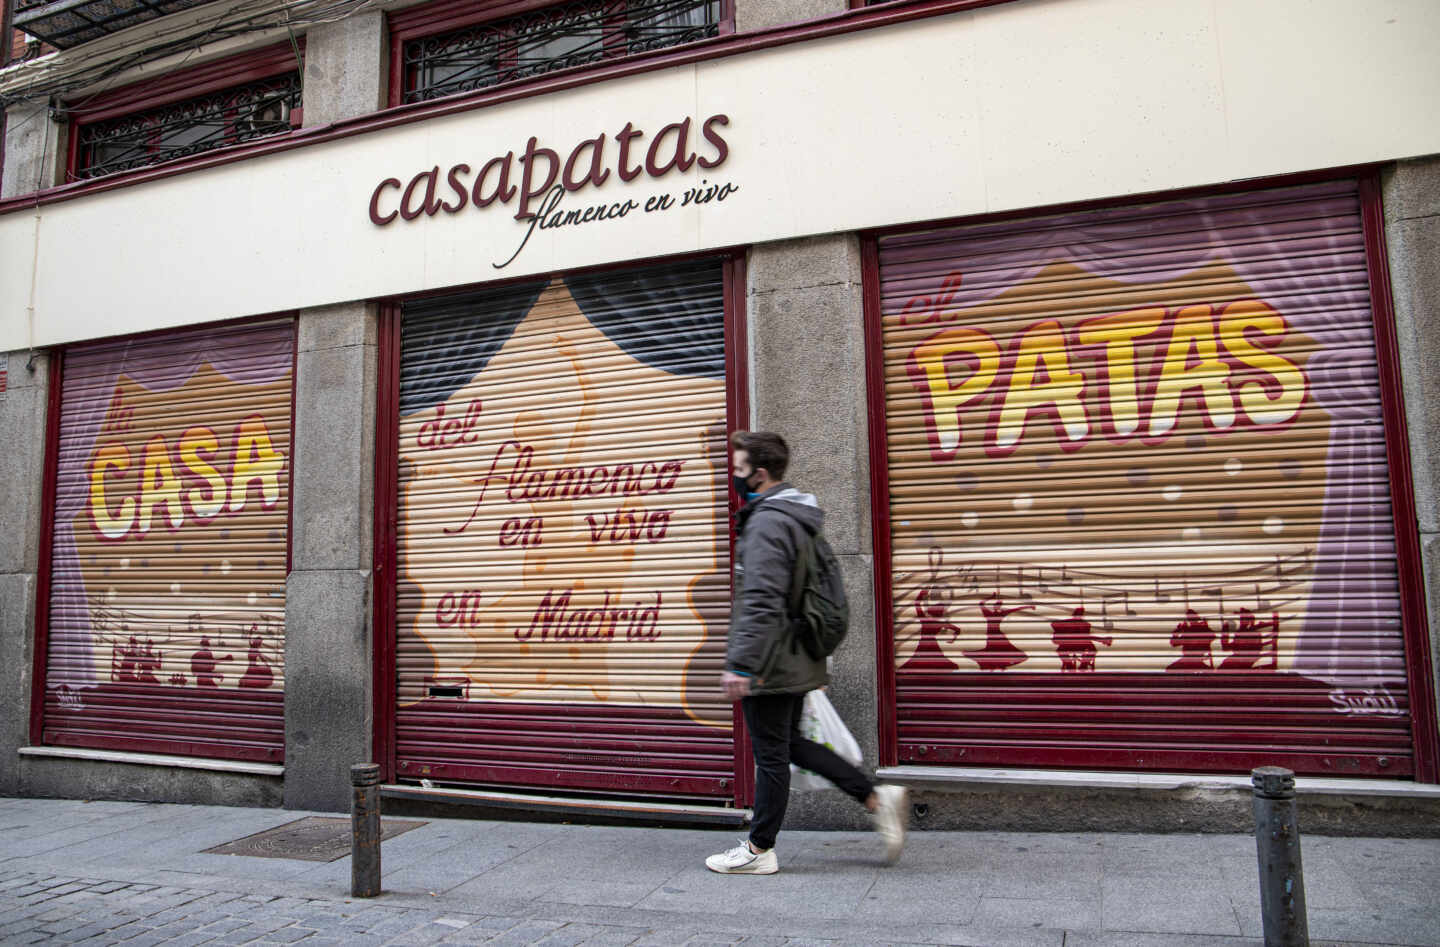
(735, 686)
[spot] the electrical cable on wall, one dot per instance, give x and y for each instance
(60, 74)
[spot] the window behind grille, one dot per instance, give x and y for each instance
(545, 40)
(192, 126)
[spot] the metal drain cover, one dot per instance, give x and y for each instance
(312, 839)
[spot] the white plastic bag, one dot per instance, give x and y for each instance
(821, 724)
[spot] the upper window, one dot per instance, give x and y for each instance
(186, 114)
(479, 55)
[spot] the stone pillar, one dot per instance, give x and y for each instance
(759, 14)
(329, 715)
(807, 382)
(347, 69)
(34, 150)
(23, 407)
(1412, 233)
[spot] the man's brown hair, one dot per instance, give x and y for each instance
(765, 449)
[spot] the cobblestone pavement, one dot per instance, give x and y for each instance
(38, 908)
(139, 873)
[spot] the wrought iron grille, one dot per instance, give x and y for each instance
(544, 41)
(245, 112)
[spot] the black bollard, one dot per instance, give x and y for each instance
(1277, 843)
(365, 830)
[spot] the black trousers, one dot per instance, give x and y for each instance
(774, 724)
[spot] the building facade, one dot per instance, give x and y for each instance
(371, 367)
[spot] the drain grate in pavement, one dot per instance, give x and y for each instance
(312, 839)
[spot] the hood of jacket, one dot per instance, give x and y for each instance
(802, 506)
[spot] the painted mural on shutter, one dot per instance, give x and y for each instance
(562, 551)
(1139, 503)
(167, 593)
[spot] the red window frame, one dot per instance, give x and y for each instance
(176, 87)
(49, 488)
(444, 16)
(386, 511)
(1415, 622)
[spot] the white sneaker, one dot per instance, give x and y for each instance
(891, 818)
(741, 861)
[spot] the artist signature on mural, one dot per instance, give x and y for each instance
(1366, 702)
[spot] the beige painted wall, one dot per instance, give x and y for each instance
(1017, 105)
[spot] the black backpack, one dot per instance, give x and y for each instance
(819, 613)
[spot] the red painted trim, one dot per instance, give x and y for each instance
(290, 461)
(879, 504)
(386, 512)
(1414, 622)
(718, 47)
(737, 418)
(49, 486)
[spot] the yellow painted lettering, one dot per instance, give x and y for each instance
(195, 444)
(1264, 402)
(159, 486)
(111, 526)
(1118, 333)
(931, 365)
(1042, 347)
(1192, 361)
(256, 462)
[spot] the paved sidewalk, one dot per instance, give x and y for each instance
(108, 872)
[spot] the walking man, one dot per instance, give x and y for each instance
(767, 673)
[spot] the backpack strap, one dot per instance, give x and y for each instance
(799, 574)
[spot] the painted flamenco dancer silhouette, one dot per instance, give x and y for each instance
(258, 675)
(931, 605)
(999, 652)
(1075, 641)
(1193, 637)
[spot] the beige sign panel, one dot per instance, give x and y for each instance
(1011, 106)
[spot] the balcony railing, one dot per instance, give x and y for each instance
(67, 23)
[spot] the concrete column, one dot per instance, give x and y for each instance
(328, 665)
(1412, 233)
(807, 379)
(347, 68)
(34, 150)
(758, 14)
(23, 407)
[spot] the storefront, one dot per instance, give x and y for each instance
(164, 612)
(401, 433)
(1145, 466)
(558, 483)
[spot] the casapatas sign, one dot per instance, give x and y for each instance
(545, 180)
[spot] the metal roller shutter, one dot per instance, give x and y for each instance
(1139, 508)
(563, 553)
(166, 605)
